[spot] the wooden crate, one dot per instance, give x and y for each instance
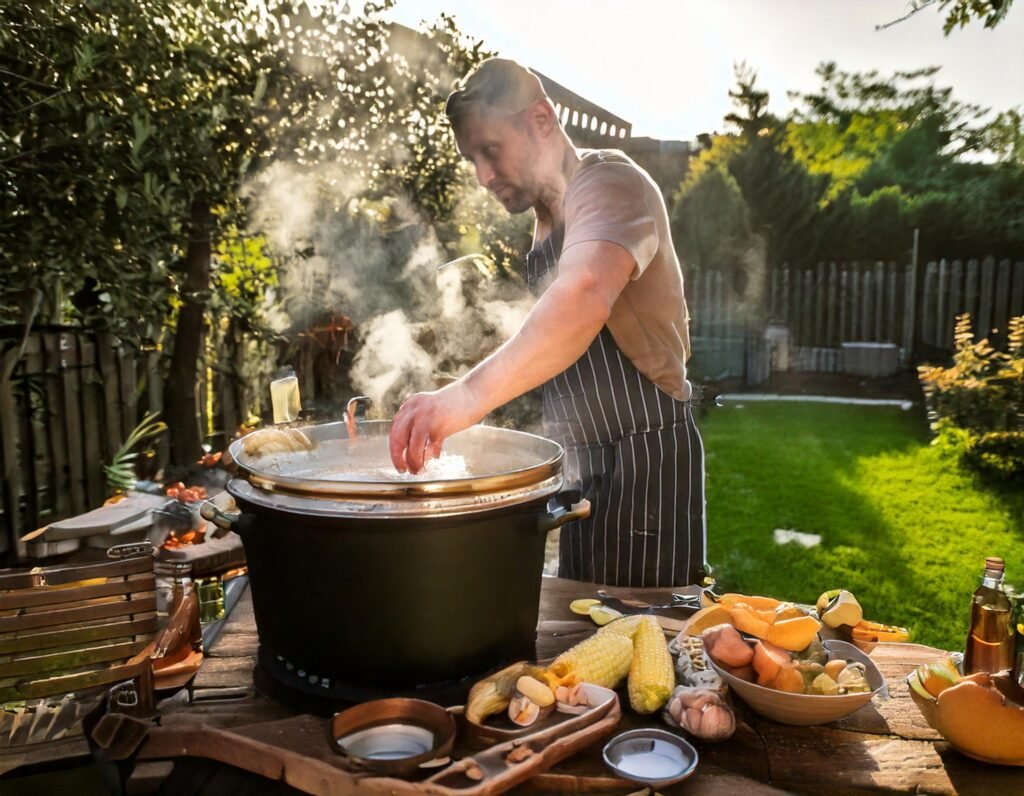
(66, 632)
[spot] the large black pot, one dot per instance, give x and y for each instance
(373, 588)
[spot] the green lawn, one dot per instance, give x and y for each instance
(903, 528)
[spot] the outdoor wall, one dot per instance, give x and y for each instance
(590, 125)
(666, 161)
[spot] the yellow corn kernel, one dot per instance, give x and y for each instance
(603, 659)
(651, 675)
(625, 626)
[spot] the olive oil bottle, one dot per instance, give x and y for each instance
(990, 641)
(1018, 654)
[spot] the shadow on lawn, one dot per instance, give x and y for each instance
(1009, 495)
(859, 477)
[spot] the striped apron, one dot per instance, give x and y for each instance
(634, 452)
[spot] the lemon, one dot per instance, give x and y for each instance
(602, 614)
(582, 607)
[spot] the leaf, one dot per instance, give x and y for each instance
(142, 129)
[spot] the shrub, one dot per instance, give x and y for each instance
(977, 404)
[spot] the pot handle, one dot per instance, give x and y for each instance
(568, 506)
(225, 520)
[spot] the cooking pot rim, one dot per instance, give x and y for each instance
(547, 454)
(385, 507)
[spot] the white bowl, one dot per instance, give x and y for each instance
(651, 757)
(806, 709)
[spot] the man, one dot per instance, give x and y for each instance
(608, 339)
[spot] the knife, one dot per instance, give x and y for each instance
(681, 604)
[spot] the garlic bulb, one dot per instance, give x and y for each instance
(702, 713)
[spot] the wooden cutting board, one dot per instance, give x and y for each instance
(298, 751)
(105, 519)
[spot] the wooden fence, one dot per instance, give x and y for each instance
(829, 304)
(70, 401)
(73, 396)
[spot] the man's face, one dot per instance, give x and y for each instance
(501, 149)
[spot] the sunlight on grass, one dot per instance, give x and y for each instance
(903, 528)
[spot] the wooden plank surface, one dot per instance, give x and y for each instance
(886, 747)
(58, 443)
(807, 313)
(891, 334)
(60, 575)
(831, 335)
(11, 484)
(1017, 291)
(32, 598)
(73, 659)
(1001, 311)
(943, 331)
(33, 458)
(75, 682)
(929, 303)
(909, 309)
(985, 306)
(880, 300)
(52, 639)
(296, 750)
(64, 750)
(106, 355)
(956, 300)
(71, 417)
(844, 300)
(129, 398)
(970, 304)
(95, 483)
(67, 616)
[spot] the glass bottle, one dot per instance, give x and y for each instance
(990, 640)
(1018, 655)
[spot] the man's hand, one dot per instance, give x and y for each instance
(426, 419)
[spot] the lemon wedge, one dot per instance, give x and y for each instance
(602, 614)
(582, 607)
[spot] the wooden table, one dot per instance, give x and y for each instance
(886, 747)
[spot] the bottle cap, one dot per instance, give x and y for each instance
(995, 563)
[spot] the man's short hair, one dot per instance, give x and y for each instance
(497, 84)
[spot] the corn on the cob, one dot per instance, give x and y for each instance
(626, 626)
(651, 676)
(603, 659)
(492, 694)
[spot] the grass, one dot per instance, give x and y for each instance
(904, 528)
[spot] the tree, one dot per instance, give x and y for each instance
(751, 114)
(128, 130)
(959, 13)
(778, 196)
(855, 119)
(860, 164)
(1004, 136)
(896, 155)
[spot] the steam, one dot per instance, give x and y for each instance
(390, 361)
(348, 251)
(418, 325)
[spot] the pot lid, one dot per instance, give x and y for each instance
(479, 461)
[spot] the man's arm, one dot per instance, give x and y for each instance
(558, 330)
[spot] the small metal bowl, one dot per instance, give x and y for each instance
(650, 757)
(393, 737)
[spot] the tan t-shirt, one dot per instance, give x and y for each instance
(611, 198)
